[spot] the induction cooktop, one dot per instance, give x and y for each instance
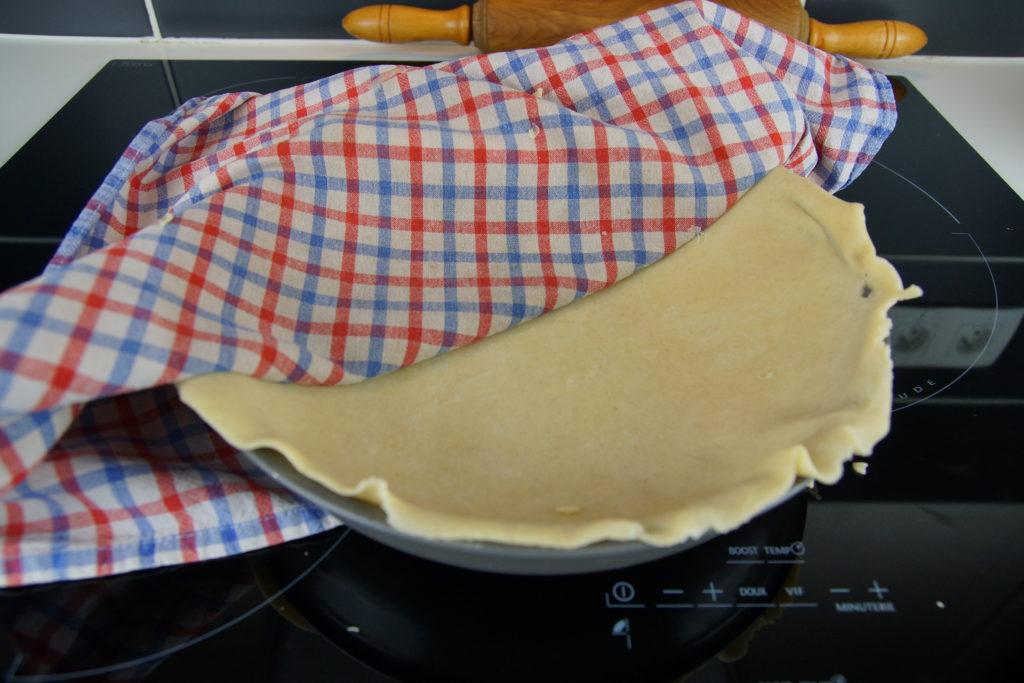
(912, 572)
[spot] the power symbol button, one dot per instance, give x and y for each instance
(623, 591)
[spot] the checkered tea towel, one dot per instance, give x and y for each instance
(344, 228)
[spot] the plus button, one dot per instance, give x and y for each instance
(712, 591)
(878, 590)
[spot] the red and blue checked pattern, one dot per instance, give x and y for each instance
(345, 228)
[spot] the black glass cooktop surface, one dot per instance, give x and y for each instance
(914, 572)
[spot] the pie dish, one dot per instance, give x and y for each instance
(679, 402)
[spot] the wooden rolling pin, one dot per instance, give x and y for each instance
(498, 25)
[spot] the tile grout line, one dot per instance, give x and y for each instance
(158, 34)
(154, 23)
(15, 239)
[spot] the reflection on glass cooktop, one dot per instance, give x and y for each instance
(912, 573)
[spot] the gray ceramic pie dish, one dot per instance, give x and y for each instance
(370, 521)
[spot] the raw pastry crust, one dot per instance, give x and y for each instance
(685, 398)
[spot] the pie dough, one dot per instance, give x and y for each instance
(687, 397)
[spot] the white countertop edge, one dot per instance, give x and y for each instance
(982, 97)
(242, 48)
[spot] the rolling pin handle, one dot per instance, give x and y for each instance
(875, 39)
(403, 24)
